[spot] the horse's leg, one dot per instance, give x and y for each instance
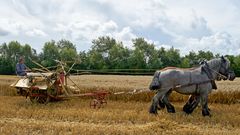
(161, 104)
(204, 103)
(191, 104)
(188, 104)
(170, 107)
(155, 101)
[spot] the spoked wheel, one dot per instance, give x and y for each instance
(103, 102)
(42, 99)
(95, 104)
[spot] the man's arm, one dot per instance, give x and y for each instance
(26, 69)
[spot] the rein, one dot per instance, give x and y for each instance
(218, 73)
(207, 66)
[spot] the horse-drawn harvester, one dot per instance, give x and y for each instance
(42, 87)
(199, 82)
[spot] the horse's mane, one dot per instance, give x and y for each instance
(217, 61)
(212, 63)
(166, 68)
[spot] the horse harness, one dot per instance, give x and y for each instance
(205, 68)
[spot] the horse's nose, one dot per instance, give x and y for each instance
(232, 76)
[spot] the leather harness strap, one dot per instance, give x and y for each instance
(206, 69)
(190, 84)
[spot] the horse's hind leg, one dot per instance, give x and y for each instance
(170, 107)
(161, 103)
(155, 101)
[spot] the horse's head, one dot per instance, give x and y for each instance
(225, 69)
(155, 84)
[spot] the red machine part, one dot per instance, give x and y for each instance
(62, 77)
(99, 99)
(37, 95)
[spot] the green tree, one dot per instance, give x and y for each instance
(66, 44)
(84, 60)
(173, 57)
(137, 59)
(151, 57)
(6, 67)
(118, 57)
(162, 55)
(67, 50)
(205, 55)
(103, 44)
(99, 55)
(96, 60)
(193, 58)
(235, 64)
(50, 53)
(155, 61)
(185, 63)
(10, 53)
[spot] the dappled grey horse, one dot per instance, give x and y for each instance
(197, 82)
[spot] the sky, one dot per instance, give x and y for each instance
(187, 25)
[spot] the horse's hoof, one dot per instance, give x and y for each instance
(152, 110)
(187, 111)
(206, 113)
(172, 110)
(186, 108)
(162, 105)
(160, 108)
(209, 115)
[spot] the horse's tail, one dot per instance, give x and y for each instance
(155, 84)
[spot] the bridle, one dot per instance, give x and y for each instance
(217, 72)
(225, 77)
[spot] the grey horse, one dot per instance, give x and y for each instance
(197, 82)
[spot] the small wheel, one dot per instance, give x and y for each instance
(95, 104)
(103, 102)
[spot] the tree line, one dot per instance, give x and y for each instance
(106, 53)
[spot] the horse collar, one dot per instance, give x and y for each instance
(208, 72)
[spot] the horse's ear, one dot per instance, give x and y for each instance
(203, 61)
(222, 58)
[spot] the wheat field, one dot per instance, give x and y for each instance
(124, 114)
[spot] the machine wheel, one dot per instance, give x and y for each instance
(21, 91)
(43, 99)
(95, 104)
(103, 102)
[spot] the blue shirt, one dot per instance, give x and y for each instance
(21, 69)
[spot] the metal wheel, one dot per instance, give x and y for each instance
(103, 102)
(95, 104)
(43, 99)
(21, 91)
